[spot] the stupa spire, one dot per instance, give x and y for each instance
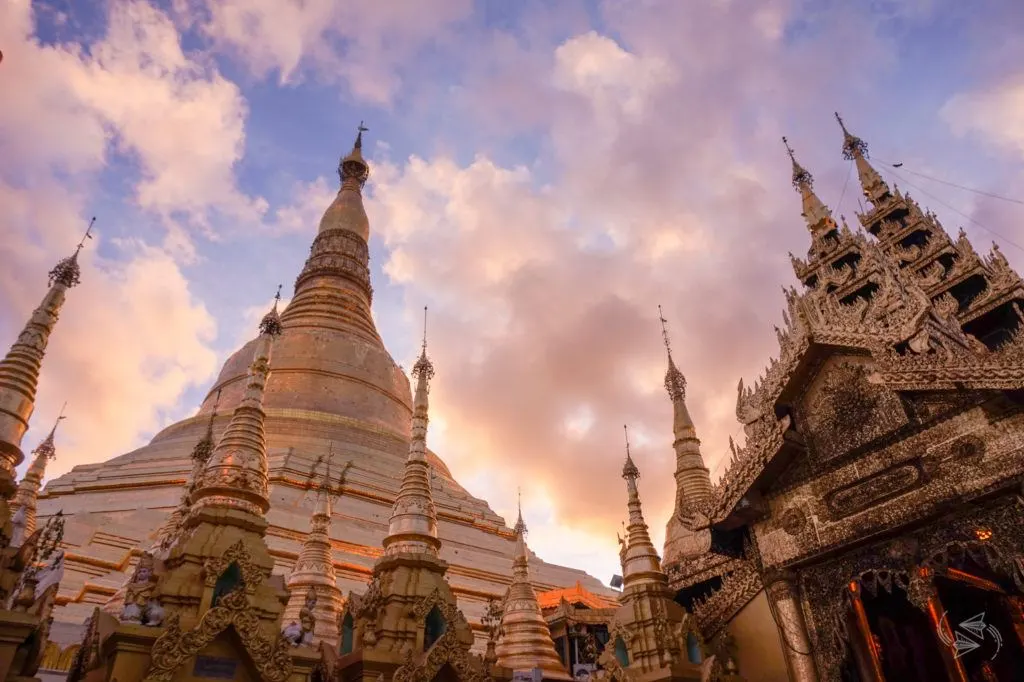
(235, 476)
(413, 525)
(818, 216)
(314, 567)
(19, 370)
(333, 290)
(640, 562)
(27, 495)
(525, 641)
(201, 453)
(856, 150)
(693, 480)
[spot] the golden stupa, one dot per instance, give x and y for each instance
(336, 391)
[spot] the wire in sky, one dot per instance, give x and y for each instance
(953, 184)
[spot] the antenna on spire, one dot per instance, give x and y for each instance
(87, 235)
(424, 329)
(277, 296)
(423, 366)
(359, 135)
(789, 150)
(629, 470)
(519, 499)
(664, 331)
(853, 146)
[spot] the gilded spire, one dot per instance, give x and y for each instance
(27, 495)
(19, 370)
(818, 216)
(856, 150)
(314, 567)
(693, 480)
(236, 474)
(413, 525)
(640, 564)
(333, 290)
(170, 531)
(525, 641)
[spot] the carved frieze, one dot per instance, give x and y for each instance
(873, 490)
(844, 409)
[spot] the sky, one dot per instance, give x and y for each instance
(545, 173)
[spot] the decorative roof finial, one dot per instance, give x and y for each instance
(520, 527)
(801, 178)
(629, 470)
(271, 322)
(67, 271)
(675, 382)
(423, 366)
(354, 167)
(853, 146)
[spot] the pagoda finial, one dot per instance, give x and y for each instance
(818, 216)
(855, 149)
(424, 368)
(67, 271)
(271, 322)
(801, 178)
(354, 167)
(629, 470)
(853, 146)
(27, 495)
(675, 382)
(520, 527)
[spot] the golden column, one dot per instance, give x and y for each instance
(784, 601)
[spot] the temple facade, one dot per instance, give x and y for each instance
(874, 514)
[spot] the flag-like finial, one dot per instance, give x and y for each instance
(271, 322)
(423, 366)
(853, 146)
(67, 271)
(675, 382)
(801, 178)
(629, 470)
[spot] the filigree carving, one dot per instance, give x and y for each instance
(447, 650)
(238, 553)
(175, 646)
(873, 490)
(794, 520)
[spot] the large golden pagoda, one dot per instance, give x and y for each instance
(334, 383)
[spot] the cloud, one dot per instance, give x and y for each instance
(365, 45)
(132, 337)
(995, 113)
(660, 181)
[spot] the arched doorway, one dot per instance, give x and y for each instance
(981, 611)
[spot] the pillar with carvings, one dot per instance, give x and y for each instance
(784, 600)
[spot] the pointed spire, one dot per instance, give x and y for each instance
(413, 525)
(19, 370)
(333, 290)
(693, 479)
(236, 474)
(314, 567)
(172, 526)
(856, 150)
(640, 562)
(818, 216)
(27, 496)
(525, 641)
